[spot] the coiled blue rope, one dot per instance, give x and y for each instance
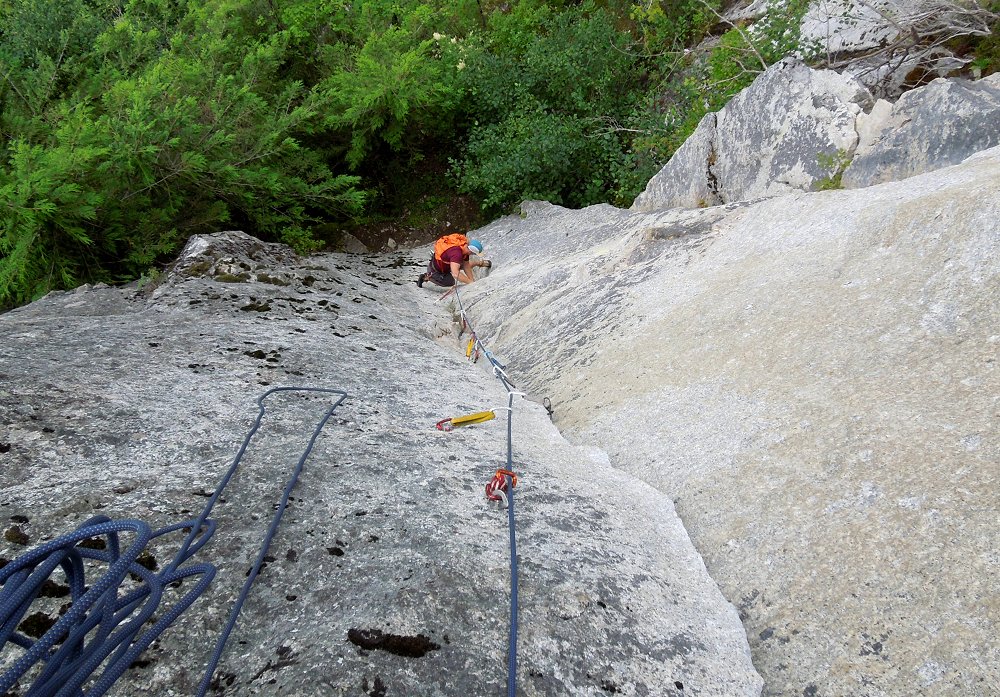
(99, 627)
(500, 371)
(97, 609)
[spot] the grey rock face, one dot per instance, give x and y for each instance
(133, 402)
(688, 180)
(772, 135)
(795, 128)
(769, 140)
(858, 36)
(847, 26)
(746, 11)
(887, 44)
(813, 379)
(928, 128)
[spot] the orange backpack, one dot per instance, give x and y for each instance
(456, 239)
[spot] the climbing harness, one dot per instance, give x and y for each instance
(102, 626)
(458, 421)
(501, 487)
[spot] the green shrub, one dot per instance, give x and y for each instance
(986, 49)
(835, 163)
(669, 26)
(548, 97)
(104, 182)
(390, 88)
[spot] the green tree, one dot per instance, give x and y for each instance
(547, 94)
(100, 183)
(389, 90)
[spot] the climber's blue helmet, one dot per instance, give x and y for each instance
(476, 245)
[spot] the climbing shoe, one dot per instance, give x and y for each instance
(420, 281)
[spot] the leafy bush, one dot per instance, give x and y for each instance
(668, 27)
(390, 88)
(533, 155)
(547, 95)
(101, 185)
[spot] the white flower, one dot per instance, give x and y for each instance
(438, 37)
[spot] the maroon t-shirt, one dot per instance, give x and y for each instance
(452, 254)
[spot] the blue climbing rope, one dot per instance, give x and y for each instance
(500, 371)
(99, 627)
(512, 647)
(275, 521)
(95, 608)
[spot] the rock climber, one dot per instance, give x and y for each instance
(451, 261)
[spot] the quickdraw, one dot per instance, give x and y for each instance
(497, 487)
(454, 422)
